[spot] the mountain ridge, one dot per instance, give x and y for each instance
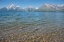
(45, 7)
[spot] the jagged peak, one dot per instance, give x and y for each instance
(62, 5)
(12, 5)
(49, 4)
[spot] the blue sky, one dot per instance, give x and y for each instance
(26, 3)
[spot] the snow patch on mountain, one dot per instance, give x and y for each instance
(45, 7)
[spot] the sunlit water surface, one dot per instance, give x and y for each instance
(27, 24)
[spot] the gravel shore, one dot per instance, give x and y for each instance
(32, 35)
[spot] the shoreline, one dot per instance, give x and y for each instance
(36, 35)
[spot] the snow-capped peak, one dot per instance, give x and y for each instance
(53, 5)
(45, 7)
(61, 5)
(12, 6)
(49, 5)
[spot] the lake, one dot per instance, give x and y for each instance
(30, 22)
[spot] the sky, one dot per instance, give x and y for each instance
(26, 3)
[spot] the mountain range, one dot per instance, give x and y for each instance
(43, 8)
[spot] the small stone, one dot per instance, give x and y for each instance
(36, 29)
(20, 27)
(0, 36)
(53, 34)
